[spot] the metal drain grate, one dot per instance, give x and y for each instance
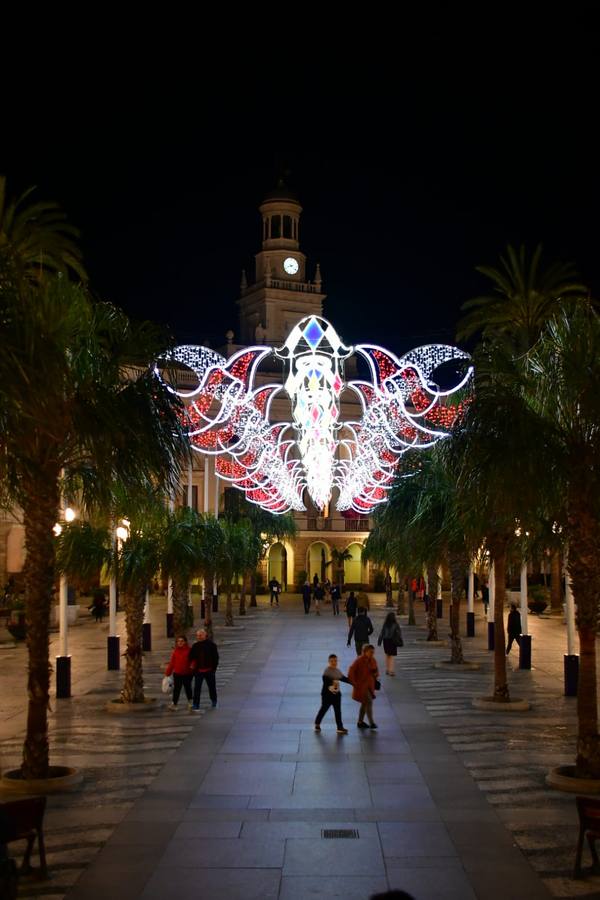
(339, 833)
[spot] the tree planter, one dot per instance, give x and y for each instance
(60, 778)
(563, 778)
(119, 707)
(537, 606)
(457, 667)
(491, 705)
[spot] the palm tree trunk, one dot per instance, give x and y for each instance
(229, 606)
(498, 554)
(458, 569)
(180, 599)
(133, 686)
(242, 607)
(253, 588)
(584, 571)
(432, 580)
(555, 582)
(40, 513)
(400, 599)
(208, 602)
(389, 599)
(411, 609)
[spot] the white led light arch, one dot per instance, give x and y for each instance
(228, 417)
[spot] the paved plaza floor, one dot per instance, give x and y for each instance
(442, 801)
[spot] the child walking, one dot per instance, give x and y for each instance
(331, 694)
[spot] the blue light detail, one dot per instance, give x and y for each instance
(313, 333)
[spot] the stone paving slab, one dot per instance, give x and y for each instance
(234, 803)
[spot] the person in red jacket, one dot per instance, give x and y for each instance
(179, 667)
(363, 675)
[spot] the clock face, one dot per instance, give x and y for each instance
(290, 265)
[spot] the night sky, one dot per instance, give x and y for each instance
(414, 160)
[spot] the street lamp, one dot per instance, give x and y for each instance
(121, 533)
(63, 660)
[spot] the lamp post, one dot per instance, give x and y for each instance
(571, 660)
(491, 607)
(63, 660)
(147, 625)
(525, 647)
(121, 533)
(470, 603)
(170, 632)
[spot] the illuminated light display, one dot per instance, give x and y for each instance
(275, 463)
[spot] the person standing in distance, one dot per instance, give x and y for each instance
(361, 628)
(513, 627)
(335, 599)
(306, 596)
(204, 660)
(351, 606)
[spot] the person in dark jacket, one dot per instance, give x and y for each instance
(351, 606)
(331, 695)
(274, 586)
(306, 596)
(513, 627)
(361, 628)
(335, 599)
(204, 660)
(391, 636)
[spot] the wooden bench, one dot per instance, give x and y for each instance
(589, 825)
(23, 820)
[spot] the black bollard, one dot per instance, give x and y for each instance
(470, 624)
(439, 608)
(571, 675)
(63, 676)
(146, 636)
(491, 640)
(215, 603)
(525, 652)
(170, 632)
(113, 653)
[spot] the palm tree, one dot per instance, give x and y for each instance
(139, 560)
(562, 387)
(492, 455)
(210, 541)
(36, 239)
(79, 394)
(83, 550)
(232, 560)
(181, 558)
(524, 297)
(338, 558)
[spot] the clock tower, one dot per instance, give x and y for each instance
(281, 294)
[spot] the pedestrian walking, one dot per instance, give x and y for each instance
(204, 660)
(361, 628)
(319, 595)
(513, 627)
(306, 596)
(179, 668)
(391, 637)
(351, 607)
(485, 597)
(335, 599)
(98, 605)
(331, 694)
(363, 674)
(275, 589)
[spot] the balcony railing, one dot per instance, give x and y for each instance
(357, 525)
(317, 523)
